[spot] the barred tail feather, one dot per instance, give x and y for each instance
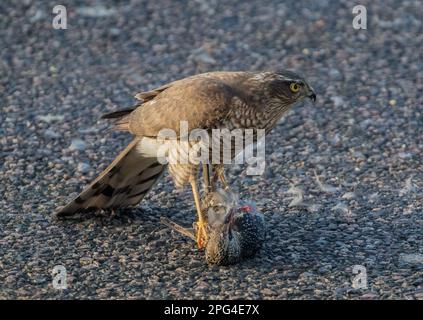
(123, 183)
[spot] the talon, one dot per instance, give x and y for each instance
(201, 234)
(201, 237)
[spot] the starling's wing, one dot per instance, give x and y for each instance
(124, 183)
(182, 230)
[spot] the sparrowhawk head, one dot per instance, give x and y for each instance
(287, 86)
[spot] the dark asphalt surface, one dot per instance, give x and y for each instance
(363, 140)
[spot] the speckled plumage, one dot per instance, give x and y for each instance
(223, 247)
(251, 227)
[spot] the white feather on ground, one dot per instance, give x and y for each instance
(325, 187)
(408, 187)
(298, 196)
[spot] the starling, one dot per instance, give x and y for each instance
(236, 229)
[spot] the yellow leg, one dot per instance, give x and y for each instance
(206, 177)
(201, 224)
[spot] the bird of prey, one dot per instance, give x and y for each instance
(213, 100)
(236, 228)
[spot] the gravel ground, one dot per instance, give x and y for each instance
(343, 182)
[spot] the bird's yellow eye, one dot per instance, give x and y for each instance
(295, 87)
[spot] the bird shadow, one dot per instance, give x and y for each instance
(143, 215)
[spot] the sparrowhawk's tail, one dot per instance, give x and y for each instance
(123, 183)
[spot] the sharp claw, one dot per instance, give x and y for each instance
(200, 244)
(201, 235)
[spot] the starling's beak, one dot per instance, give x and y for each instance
(312, 94)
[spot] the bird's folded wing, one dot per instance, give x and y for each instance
(201, 103)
